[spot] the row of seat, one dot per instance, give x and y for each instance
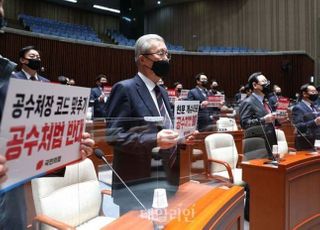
(58, 28)
(223, 49)
(120, 39)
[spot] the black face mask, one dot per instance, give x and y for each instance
(161, 68)
(204, 83)
(278, 94)
(179, 90)
(266, 89)
(313, 97)
(34, 64)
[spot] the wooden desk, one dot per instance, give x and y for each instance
(195, 206)
(287, 196)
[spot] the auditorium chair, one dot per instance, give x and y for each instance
(223, 158)
(70, 202)
(254, 148)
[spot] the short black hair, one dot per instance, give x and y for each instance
(101, 76)
(197, 77)
(253, 78)
(25, 50)
(176, 83)
(63, 80)
(304, 88)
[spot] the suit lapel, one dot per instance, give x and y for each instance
(306, 108)
(258, 105)
(145, 96)
(202, 98)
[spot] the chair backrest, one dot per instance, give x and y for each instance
(226, 124)
(254, 148)
(72, 199)
(282, 142)
(221, 146)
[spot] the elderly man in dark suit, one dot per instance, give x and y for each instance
(146, 155)
(255, 113)
(306, 119)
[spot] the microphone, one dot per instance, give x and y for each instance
(267, 140)
(302, 134)
(99, 153)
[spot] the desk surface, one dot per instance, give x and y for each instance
(191, 201)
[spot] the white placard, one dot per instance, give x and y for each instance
(185, 117)
(41, 128)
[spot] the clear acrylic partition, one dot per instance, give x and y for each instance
(150, 177)
(139, 175)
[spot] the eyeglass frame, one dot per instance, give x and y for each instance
(161, 53)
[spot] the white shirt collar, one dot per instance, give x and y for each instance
(28, 75)
(306, 102)
(150, 84)
(260, 98)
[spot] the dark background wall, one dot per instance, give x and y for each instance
(85, 62)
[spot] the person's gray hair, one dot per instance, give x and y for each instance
(143, 44)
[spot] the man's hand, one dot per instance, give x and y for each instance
(167, 138)
(317, 121)
(269, 118)
(190, 138)
(204, 104)
(3, 169)
(101, 98)
(86, 145)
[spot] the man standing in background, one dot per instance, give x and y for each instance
(98, 97)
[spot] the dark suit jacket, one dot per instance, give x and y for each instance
(21, 75)
(303, 118)
(251, 111)
(204, 120)
(98, 106)
(133, 138)
(273, 100)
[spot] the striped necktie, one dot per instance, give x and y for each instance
(162, 109)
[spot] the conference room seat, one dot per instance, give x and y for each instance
(223, 158)
(70, 202)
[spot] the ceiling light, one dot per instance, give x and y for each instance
(158, 2)
(73, 1)
(106, 8)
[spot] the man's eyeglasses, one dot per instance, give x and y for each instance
(160, 53)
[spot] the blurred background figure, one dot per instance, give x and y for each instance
(178, 88)
(63, 80)
(98, 99)
(72, 81)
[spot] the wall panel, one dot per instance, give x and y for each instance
(269, 24)
(84, 62)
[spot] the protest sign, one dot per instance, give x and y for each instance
(185, 117)
(41, 128)
(216, 101)
(282, 106)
